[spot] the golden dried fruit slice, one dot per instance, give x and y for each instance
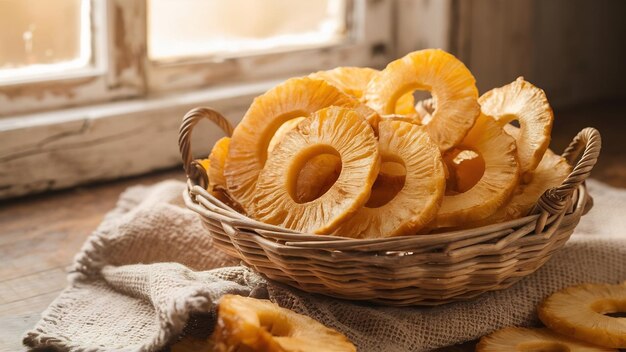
(336, 131)
(522, 101)
(248, 324)
(498, 180)
(451, 84)
(551, 172)
(295, 97)
(409, 188)
(580, 312)
(537, 340)
(354, 80)
(217, 160)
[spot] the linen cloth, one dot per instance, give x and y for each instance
(150, 271)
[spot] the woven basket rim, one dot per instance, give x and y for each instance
(419, 269)
(586, 145)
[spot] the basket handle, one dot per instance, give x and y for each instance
(194, 170)
(587, 141)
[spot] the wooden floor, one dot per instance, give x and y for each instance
(39, 235)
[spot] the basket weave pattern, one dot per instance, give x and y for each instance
(427, 269)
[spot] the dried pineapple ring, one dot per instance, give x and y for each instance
(217, 159)
(551, 172)
(295, 97)
(415, 202)
(527, 104)
(523, 339)
(354, 80)
(497, 183)
(248, 324)
(452, 85)
(333, 130)
(579, 312)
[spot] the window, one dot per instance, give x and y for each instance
(62, 53)
(103, 96)
(35, 44)
(216, 29)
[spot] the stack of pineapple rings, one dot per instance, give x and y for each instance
(348, 152)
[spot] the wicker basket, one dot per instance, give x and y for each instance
(426, 269)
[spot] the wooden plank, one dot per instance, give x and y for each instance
(495, 40)
(554, 44)
(33, 285)
(53, 151)
(421, 24)
(580, 50)
(18, 317)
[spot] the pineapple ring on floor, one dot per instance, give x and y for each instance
(522, 101)
(497, 183)
(523, 339)
(217, 159)
(401, 208)
(579, 312)
(248, 324)
(295, 97)
(354, 80)
(451, 84)
(333, 130)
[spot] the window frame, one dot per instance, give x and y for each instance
(113, 74)
(121, 69)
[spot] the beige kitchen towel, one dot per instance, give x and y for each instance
(150, 271)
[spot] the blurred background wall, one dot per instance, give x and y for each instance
(574, 49)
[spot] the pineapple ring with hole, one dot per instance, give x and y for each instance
(217, 159)
(248, 324)
(354, 80)
(317, 175)
(295, 97)
(451, 84)
(522, 101)
(497, 183)
(524, 339)
(551, 172)
(401, 208)
(579, 312)
(338, 131)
